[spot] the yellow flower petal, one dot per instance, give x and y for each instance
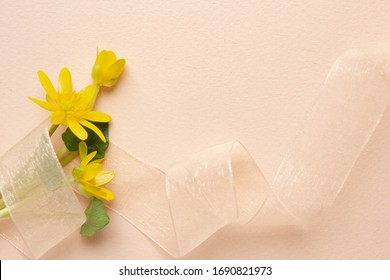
(94, 128)
(83, 150)
(77, 129)
(51, 94)
(106, 58)
(97, 73)
(88, 158)
(44, 105)
(99, 192)
(116, 69)
(103, 178)
(90, 171)
(87, 94)
(98, 117)
(100, 160)
(65, 81)
(105, 194)
(57, 117)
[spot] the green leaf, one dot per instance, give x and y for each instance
(94, 143)
(96, 218)
(70, 140)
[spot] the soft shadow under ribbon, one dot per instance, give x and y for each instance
(196, 197)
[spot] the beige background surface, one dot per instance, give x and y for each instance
(201, 73)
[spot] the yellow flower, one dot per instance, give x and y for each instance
(90, 176)
(107, 68)
(70, 108)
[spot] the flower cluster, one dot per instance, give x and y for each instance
(87, 131)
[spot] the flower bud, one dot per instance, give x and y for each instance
(107, 68)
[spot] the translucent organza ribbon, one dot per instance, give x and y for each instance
(196, 197)
(223, 185)
(43, 207)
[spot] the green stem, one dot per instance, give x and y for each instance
(2, 203)
(68, 158)
(95, 94)
(52, 129)
(62, 153)
(4, 213)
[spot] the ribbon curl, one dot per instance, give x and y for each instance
(223, 185)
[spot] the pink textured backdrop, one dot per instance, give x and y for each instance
(201, 73)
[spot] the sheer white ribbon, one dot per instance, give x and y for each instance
(43, 207)
(196, 197)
